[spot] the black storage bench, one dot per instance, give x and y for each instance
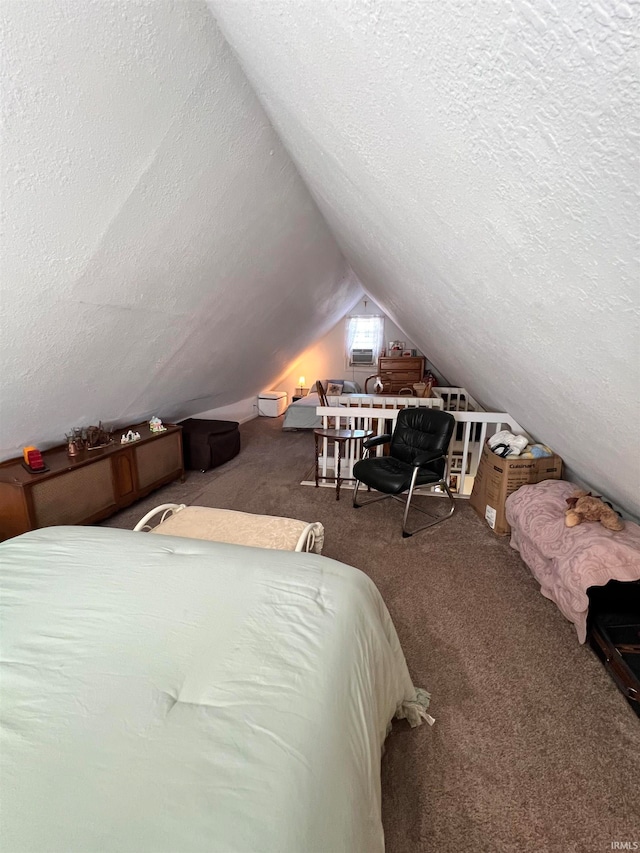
(208, 444)
(614, 633)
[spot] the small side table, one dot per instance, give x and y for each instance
(340, 437)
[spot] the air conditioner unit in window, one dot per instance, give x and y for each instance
(361, 356)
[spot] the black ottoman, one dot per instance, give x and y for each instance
(208, 444)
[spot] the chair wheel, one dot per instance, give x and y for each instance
(406, 535)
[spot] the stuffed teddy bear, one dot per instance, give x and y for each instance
(583, 506)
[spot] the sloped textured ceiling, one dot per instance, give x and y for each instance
(160, 253)
(476, 162)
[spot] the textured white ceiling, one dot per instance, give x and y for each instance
(477, 164)
(160, 252)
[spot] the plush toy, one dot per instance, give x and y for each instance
(583, 506)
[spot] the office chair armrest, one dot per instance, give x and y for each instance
(428, 456)
(376, 440)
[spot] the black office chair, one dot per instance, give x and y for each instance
(417, 457)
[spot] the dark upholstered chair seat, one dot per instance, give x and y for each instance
(390, 475)
(417, 457)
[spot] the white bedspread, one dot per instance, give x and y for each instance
(167, 694)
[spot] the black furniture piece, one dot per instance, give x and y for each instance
(614, 634)
(417, 457)
(208, 444)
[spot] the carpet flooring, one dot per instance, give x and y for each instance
(534, 749)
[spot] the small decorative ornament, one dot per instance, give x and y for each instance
(75, 441)
(32, 460)
(130, 436)
(88, 438)
(97, 437)
(155, 425)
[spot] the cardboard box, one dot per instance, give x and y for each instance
(497, 478)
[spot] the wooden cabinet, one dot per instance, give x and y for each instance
(90, 486)
(399, 373)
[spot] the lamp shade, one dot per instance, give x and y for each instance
(301, 381)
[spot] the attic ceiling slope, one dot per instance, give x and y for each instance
(477, 165)
(161, 253)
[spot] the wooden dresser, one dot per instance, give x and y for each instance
(399, 373)
(90, 486)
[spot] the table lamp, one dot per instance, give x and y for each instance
(301, 386)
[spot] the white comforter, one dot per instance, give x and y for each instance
(167, 694)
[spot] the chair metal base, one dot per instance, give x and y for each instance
(407, 502)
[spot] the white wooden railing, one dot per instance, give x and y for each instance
(351, 411)
(456, 399)
(370, 401)
(474, 426)
(472, 430)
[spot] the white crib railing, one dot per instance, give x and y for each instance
(366, 401)
(472, 430)
(456, 399)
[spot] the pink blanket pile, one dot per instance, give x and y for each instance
(566, 561)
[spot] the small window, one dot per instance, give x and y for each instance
(364, 336)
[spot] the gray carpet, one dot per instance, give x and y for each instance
(534, 749)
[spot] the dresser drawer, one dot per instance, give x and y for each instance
(404, 375)
(403, 365)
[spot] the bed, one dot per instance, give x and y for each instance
(162, 694)
(301, 414)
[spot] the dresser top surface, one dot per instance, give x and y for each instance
(57, 459)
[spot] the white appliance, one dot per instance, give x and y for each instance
(361, 356)
(272, 404)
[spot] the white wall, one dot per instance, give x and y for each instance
(477, 163)
(160, 253)
(325, 359)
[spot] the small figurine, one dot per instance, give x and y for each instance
(155, 425)
(129, 437)
(96, 437)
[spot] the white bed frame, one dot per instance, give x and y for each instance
(305, 542)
